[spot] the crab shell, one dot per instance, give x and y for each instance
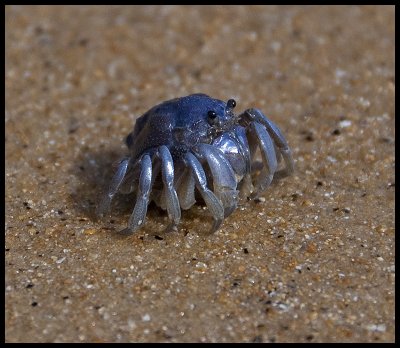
(197, 144)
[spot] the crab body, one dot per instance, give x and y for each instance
(197, 143)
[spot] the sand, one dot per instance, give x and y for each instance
(313, 261)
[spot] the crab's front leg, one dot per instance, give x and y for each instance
(270, 163)
(223, 176)
(213, 203)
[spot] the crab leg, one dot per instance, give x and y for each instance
(171, 197)
(223, 176)
(185, 189)
(268, 156)
(116, 181)
(246, 185)
(212, 202)
(139, 211)
(256, 115)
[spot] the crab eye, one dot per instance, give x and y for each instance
(212, 115)
(231, 103)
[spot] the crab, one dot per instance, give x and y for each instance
(196, 146)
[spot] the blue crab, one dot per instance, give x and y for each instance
(197, 143)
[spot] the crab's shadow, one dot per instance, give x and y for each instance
(93, 171)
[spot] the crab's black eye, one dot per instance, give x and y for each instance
(212, 115)
(231, 103)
